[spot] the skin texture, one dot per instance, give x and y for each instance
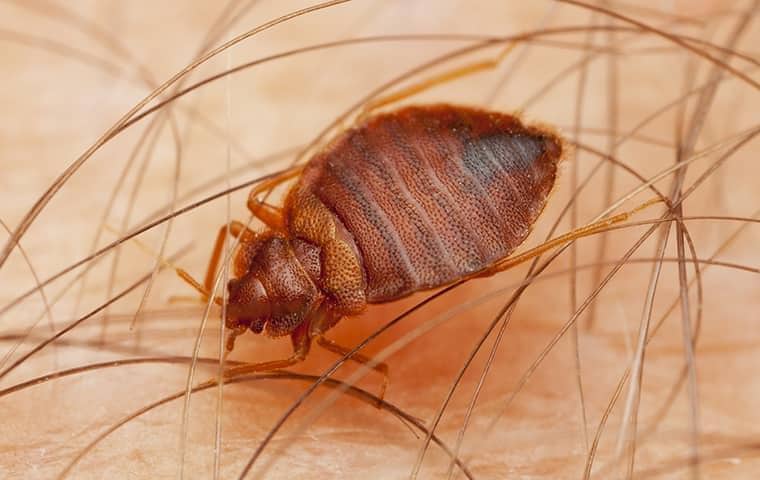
(59, 101)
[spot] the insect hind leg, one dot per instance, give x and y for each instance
(594, 228)
(445, 77)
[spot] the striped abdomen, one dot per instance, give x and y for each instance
(426, 195)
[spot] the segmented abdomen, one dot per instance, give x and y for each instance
(431, 194)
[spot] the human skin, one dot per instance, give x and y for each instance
(57, 102)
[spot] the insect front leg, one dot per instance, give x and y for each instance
(234, 228)
(237, 230)
(301, 340)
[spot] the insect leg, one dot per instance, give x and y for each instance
(235, 229)
(271, 183)
(585, 231)
(381, 368)
(301, 344)
(428, 83)
(269, 214)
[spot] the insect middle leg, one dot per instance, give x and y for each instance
(323, 320)
(270, 215)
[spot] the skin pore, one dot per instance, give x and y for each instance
(72, 70)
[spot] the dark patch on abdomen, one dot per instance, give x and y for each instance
(493, 158)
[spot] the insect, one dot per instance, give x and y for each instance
(409, 200)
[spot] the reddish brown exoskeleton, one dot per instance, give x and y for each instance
(409, 200)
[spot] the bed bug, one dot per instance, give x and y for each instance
(409, 200)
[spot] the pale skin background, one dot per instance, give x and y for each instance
(70, 73)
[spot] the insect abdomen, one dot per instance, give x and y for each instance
(432, 194)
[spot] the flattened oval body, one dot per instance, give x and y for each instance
(426, 195)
